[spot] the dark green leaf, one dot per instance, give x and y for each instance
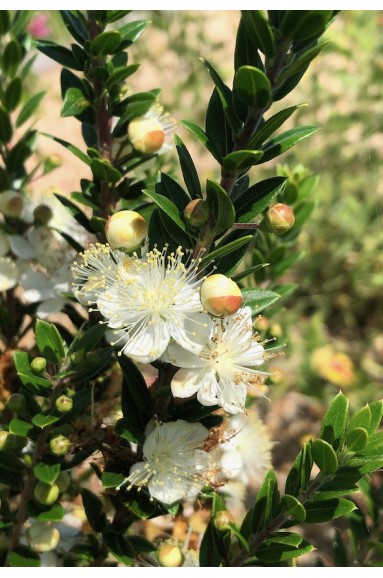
(58, 53)
(258, 197)
(362, 418)
(173, 191)
(271, 125)
(272, 551)
(202, 137)
(41, 420)
(76, 213)
(189, 172)
(303, 24)
(112, 479)
(324, 456)
(328, 510)
(5, 126)
(252, 86)
(248, 271)
(221, 206)
(29, 108)
(217, 128)
(94, 511)
(294, 508)
(299, 476)
(357, 439)
(140, 544)
(301, 62)
(227, 249)
(334, 422)
(140, 504)
(79, 154)
(135, 381)
(225, 96)
(4, 22)
(87, 341)
(240, 160)
(285, 141)
(75, 26)
(120, 547)
(168, 207)
(115, 15)
(13, 94)
(376, 408)
(245, 52)
(121, 74)
(92, 365)
(53, 513)
(103, 170)
(106, 43)
(47, 473)
(259, 31)
(330, 494)
(374, 445)
(12, 56)
(74, 103)
(208, 554)
(267, 503)
(49, 341)
(23, 557)
(258, 299)
(20, 427)
(133, 30)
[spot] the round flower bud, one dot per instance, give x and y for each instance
(46, 494)
(42, 537)
(42, 214)
(197, 213)
(222, 520)
(147, 135)
(280, 218)
(11, 203)
(170, 556)
(38, 365)
(63, 481)
(126, 230)
(16, 402)
(3, 438)
(220, 295)
(59, 445)
(64, 403)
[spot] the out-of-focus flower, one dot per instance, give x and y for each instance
(42, 537)
(224, 369)
(11, 203)
(150, 134)
(39, 27)
(41, 286)
(334, 366)
(175, 467)
(9, 273)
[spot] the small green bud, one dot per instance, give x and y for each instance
(76, 357)
(16, 402)
(59, 445)
(170, 556)
(64, 404)
(46, 494)
(280, 218)
(197, 213)
(38, 365)
(222, 520)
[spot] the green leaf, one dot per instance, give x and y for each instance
(258, 299)
(267, 503)
(259, 31)
(227, 249)
(301, 62)
(217, 128)
(294, 508)
(167, 206)
(23, 557)
(5, 126)
(272, 551)
(4, 22)
(140, 505)
(53, 513)
(376, 408)
(330, 494)
(133, 30)
(115, 15)
(29, 108)
(220, 205)
(202, 137)
(12, 56)
(120, 547)
(106, 43)
(189, 171)
(120, 75)
(76, 213)
(33, 382)
(49, 341)
(47, 473)
(112, 479)
(328, 510)
(285, 141)
(74, 102)
(325, 457)
(258, 197)
(136, 384)
(208, 555)
(225, 96)
(245, 52)
(334, 422)
(357, 439)
(238, 534)
(252, 86)
(140, 544)
(13, 94)
(94, 511)
(299, 476)
(271, 125)
(173, 191)
(42, 420)
(88, 340)
(374, 445)
(288, 538)
(58, 53)
(366, 464)
(76, 151)
(304, 24)
(240, 160)
(92, 365)
(248, 271)
(362, 418)
(20, 427)
(103, 170)
(75, 26)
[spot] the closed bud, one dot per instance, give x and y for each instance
(126, 230)
(46, 494)
(280, 218)
(42, 214)
(38, 365)
(11, 203)
(59, 445)
(170, 556)
(42, 537)
(16, 402)
(64, 403)
(222, 520)
(220, 295)
(197, 213)
(147, 135)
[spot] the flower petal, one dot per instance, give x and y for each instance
(148, 344)
(49, 306)
(186, 382)
(180, 357)
(191, 331)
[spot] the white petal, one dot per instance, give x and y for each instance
(149, 343)
(36, 286)
(163, 488)
(9, 273)
(21, 247)
(180, 357)
(207, 394)
(191, 331)
(4, 244)
(49, 306)
(232, 396)
(186, 382)
(231, 463)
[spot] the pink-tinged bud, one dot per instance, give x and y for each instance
(64, 403)
(38, 365)
(126, 230)
(46, 494)
(197, 213)
(147, 135)
(42, 537)
(59, 445)
(280, 218)
(222, 520)
(170, 556)
(11, 203)
(220, 295)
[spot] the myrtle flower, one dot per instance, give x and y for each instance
(150, 133)
(221, 372)
(246, 456)
(175, 467)
(9, 273)
(146, 302)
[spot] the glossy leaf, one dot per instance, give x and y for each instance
(49, 341)
(20, 427)
(258, 299)
(60, 54)
(74, 103)
(328, 510)
(13, 94)
(76, 151)
(285, 141)
(294, 508)
(189, 171)
(34, 383)
(271, 125)
(53, 513)
(376, 408)
(220, 205)
(5, 126)
(106, 43)
(362, 418)
(202, 137)
(267, 503)
(324, 456)
(42, 420)
(273, 551)
(168, 207)
(227, 249)
(258, 197)
(132, 31)
(173, 191)
(334, 421)
(252, 86)
(103, 170)
(225, 96)
(240, 160)
(121, 74)
(299, 476)
(259, 31)
(136, 383)
(112, 479)
(357, 439)
(47, 473)
(303, 24)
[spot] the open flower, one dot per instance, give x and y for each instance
(9, 273)
(222, 371)
(153, 299)
(175, 467)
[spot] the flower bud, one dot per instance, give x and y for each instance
(46, 494)
(170, 556)
(42, 537)
(59, 445)
(220, 295)
(42, 214)
(126, 230)
(197, 213)
(11, 203)
(222, 520)
(63, 481)
(16, 402)
(38, 365)
(64, 403)
(147, 135)
(280, 218)
(3, 438)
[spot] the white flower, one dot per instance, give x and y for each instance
(9, 273)
(41, 285)
(247, 455)
(222, 371)
(174, 467)
(152, 300)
